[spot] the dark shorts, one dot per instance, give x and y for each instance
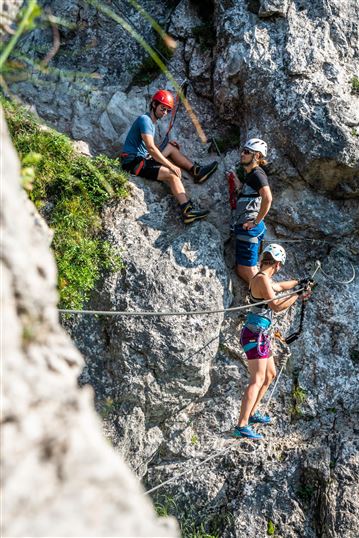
(148, 168)
(248, 243)
(255, 345)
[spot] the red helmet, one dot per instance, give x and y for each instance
(164, 97)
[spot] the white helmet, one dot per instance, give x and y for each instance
(256, 144)
(277, 252)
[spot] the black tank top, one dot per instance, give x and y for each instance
(261, 310)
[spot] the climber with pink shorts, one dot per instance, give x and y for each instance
(255, 338)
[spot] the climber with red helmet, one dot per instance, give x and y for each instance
(253, 204)
(141, 156)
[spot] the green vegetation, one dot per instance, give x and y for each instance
(299, 396)
(354, 132)
(26, 22)
(194, 439)
(270, 528)
(166, 506)
(70, 190)
(106, 407)
(355, 84)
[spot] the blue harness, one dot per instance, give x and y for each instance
(258, 325)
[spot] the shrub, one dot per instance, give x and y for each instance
(355, 84)
(70, 191)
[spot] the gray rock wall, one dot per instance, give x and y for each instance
(145, 365)
(281, 70)
(60, 476)
(288, 73)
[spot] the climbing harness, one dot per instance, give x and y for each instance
(294, 335)
(182, 93)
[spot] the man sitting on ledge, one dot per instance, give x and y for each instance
(143, 158)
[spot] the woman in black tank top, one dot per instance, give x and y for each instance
(255, 338)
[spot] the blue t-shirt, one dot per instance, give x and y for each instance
(134, 145)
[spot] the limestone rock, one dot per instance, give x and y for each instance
(297, 92)
(268, 8)
(60, 476)
(163, 363)
(282, 71)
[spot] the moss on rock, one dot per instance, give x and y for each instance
(70, 191)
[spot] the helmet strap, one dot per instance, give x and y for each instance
(154, 105)
(252, 162)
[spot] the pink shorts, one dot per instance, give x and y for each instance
(255, 345)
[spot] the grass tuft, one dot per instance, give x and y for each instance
(70, 191)
(270, 528)
(355, 84)
(299, 396)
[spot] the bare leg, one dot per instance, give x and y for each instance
(177, 157)
(257, 371)
(270, 375)
(246, 273)
(175, 184)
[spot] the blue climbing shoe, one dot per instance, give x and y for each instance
(258, 418)
(247, 432)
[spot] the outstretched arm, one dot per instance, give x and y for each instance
(267, 292)
(285, 285)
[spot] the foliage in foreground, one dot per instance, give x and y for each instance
(70, 190)
(189, 524)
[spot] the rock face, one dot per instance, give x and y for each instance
(151, 368)
(169, 388)
(60, 476)
(285, 69)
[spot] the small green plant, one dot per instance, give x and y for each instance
(270, 528)
(200, 532)
(166, 507)
(70, 190)
(354, 132)
(190, 527)
(299, 396)
(194, 439)
(26, 22)
(355, 84)
(107, 406)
